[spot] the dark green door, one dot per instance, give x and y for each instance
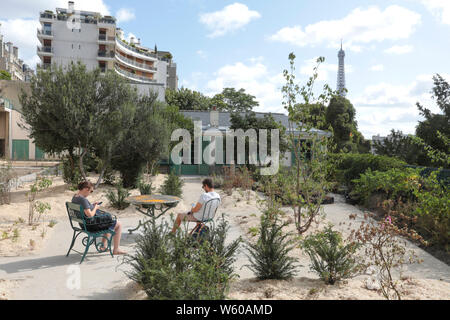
(38, 154)
(20, 150)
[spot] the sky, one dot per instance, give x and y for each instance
(393, 47)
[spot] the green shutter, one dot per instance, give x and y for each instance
(20, 150)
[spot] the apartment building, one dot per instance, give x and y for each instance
(9, 59)
(70, 35)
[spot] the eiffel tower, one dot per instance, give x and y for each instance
(341, 73)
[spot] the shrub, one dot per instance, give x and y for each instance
(7, 175)
(395, 183)
(172, 185)
(330, 258)
(177, 267)
(432, 212)
(117, 197)
(420, 202)
(349, 166)
(41, 184)
(145, 188)
(269, 256)
(239, 177)
(384, 249)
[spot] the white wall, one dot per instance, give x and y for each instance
(84, 41)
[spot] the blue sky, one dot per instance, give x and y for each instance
(393, 47)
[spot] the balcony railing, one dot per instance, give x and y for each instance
(44, 32)
(135, 63)
(46, 49)
(134, 76)
(107, 20)
(105, 54)
(103, 37)
(47, 15)
(148, 54)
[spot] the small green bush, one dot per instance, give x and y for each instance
(395, 183)
(330, 258)
(145, 188)
(176, 267)
(117, 197)
(7, 175)
(347, 167)
(432, 212)
(269, 256)
(172, 185)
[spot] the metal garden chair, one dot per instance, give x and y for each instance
(209, 212)
(76, 214)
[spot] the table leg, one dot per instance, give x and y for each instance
(150, 213)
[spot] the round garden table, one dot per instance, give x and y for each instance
(152, 203)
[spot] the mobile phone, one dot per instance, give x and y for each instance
(99, 203)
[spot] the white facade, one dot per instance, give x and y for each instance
(71, 35)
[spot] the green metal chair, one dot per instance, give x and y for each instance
(76, 214)
(209, 212)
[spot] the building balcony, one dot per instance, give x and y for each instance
(46, 16)
(134, 77)
(44, 34)
(133, 64)
(106, 22)
(104, 39)
(105, 55)
(134, 51)
(45, 51)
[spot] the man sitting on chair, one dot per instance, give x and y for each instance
(197, 213)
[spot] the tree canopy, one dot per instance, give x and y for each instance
(5, 75)
(340, 115)
(234, 101)
(78, 111)
(434, 131)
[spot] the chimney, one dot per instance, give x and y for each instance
(10, 49)
(71, 7)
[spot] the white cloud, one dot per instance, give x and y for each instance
(399, 49)
(385, 106)
(124, 15)
(361, 26)
(22, 33)
(377, 67)
(231, 18)
(324, 70)
(439, 8)
(255, 78)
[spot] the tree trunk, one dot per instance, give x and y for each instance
(105, 166)
(80, 163)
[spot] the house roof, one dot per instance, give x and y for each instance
(225, 120)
